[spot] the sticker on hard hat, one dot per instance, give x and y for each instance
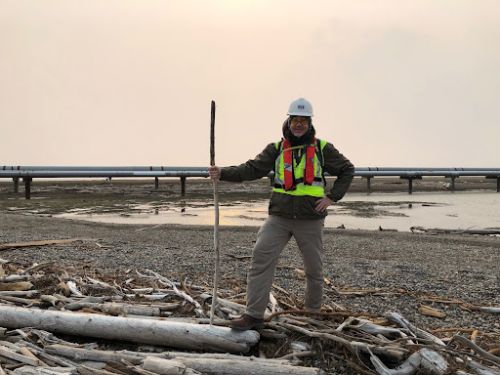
(300, 106)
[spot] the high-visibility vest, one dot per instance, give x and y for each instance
(317, 187)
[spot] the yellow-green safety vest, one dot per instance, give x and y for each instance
(317, 189)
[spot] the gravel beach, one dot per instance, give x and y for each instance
(404, 265)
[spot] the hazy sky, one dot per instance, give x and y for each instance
(122, 82)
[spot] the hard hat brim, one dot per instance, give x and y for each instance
(308, 114)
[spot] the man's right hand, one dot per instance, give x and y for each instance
(214, 172)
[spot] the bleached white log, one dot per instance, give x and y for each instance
(20, 293)
(29, 370)
(119, 308)
(10, 345)
(101, 283)
(481, 369)
(94, 364)
(223, 364)
(147, 331)
(15, 278)
(25, 351)
(372, 328)
(135, 358)
(10, 354)
(396, 352)
(236, 367)
(54, 361)
(239, 309)
(164, 366)
(80, 354)
(187, 297)
(85, 370)
(49, 299)
(428, 360)
(17, 300)
(403, 322)
(74, 289)
(490, 309)
(480, 351)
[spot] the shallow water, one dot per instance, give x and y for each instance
(459, 210)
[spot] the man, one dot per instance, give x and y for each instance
(297, 207)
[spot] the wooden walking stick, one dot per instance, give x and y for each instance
(216, 207)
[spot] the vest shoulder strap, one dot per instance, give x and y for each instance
(320, 145)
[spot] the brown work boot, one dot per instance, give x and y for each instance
(246, 322)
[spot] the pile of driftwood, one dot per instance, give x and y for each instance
(78, 320)
(482, 232)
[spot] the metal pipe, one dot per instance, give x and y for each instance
(100, 168)
(101, 173)
(424, 169)
(202, 172)
(30, 172)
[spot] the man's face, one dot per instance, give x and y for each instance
(299, 125)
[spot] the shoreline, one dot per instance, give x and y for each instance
(139, 202)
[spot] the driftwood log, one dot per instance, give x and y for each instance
(366, 343)
(17, 245)
(425, 360)
(220, 364)
(484, 232)
(147, 331)
(28, 370)
(167, 367)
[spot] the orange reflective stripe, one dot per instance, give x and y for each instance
(310, 155)
(288, 161)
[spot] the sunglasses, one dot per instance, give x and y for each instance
(299, 120)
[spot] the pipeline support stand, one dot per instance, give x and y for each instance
(183, 186)
(410, 182)
(498, 182)
(452, 186)
(368, 184)
(27, 187)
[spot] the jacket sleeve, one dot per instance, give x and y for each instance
(338, 165)
(253, 169)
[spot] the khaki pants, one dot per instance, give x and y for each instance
(271, 239)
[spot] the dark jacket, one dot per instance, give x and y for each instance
(291, 206)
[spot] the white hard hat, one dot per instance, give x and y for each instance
(300, 107)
